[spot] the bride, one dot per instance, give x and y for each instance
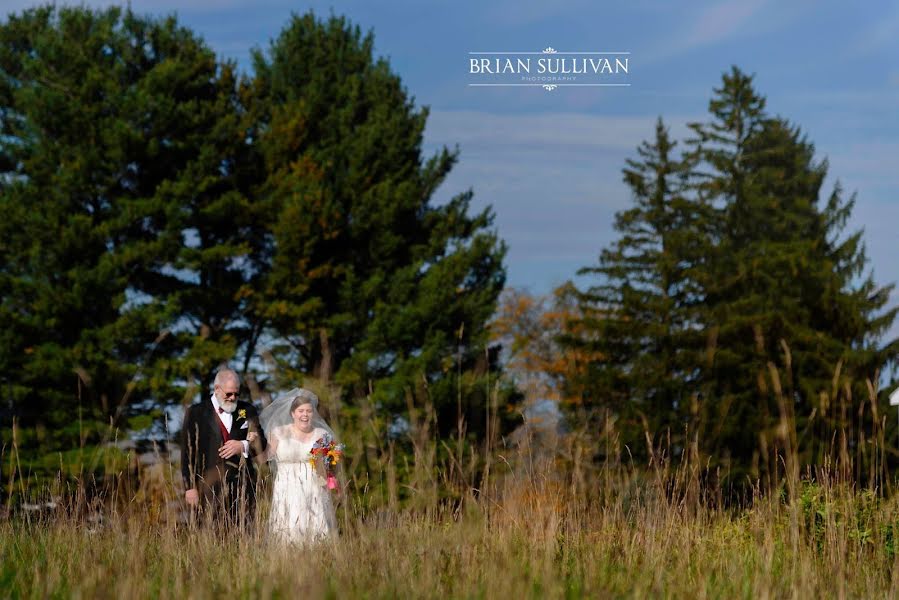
(302, 510)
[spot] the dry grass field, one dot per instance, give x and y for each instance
(549, 528)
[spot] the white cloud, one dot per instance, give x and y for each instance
(514, 13)
(725, 21)
(544, 131)
(721, 21)
(713, 24)
(874, 162)
(854, 100)
(878, 37)
(554, 181)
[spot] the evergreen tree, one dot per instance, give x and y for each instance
(734, 303)
(643, 312)
(102, 115)
(783, 291)
(164, 216)
(370, 282)
(222, 256)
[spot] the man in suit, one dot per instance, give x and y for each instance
(217, 449)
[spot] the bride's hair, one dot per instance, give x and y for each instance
(302, 397)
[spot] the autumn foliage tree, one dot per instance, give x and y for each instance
(532, 330)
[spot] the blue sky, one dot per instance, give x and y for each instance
(549, 162)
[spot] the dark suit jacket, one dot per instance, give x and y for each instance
(202, 468)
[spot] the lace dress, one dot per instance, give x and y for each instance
(302, 510)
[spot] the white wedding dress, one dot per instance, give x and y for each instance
(302, 510)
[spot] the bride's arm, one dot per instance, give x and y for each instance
(272, 449)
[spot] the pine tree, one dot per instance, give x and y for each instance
(103, 115)
(207, 280)
(734, 306)
(643, 310)
(371, 282)
(165, 216)
(783, 305)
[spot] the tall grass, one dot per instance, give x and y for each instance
(535, 519)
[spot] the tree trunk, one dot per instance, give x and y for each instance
(325, 366)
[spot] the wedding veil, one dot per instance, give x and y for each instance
(277, 414)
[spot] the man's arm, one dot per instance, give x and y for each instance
(254, 444)
(189, 443)
(259, 443)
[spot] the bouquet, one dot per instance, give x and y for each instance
(328, 451)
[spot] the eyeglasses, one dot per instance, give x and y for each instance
(231, 394)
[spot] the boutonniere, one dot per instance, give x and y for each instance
(242, 413)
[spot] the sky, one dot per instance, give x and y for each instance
(549, 162)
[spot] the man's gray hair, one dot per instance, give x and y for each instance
(224, 375)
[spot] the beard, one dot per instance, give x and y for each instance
(229, 405)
